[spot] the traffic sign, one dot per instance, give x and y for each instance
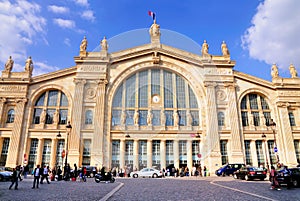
(275, 149)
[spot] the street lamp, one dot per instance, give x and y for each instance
(266, 151)
(273, 126)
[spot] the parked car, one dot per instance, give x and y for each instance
(229, 169)
(146, 172)
(5, 174)
(90, 171)
(250, 173)
(289, 177)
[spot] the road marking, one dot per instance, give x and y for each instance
(112, 192)
(245, 192)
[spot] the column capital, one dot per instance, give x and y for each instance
(21, 100)
(102, 81)
(210, 84)
(79, 81)
(230, 85)
(282, 104)
(2, 100)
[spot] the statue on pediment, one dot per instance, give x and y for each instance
(136, 117)
(29, 65)
(104, 45)
(176, 118)
(123, 118)
(293, 71)
(162, 118)
(83, 45)
(274, 71)
(154, 29)
(9, 64)
(224, 48)
(205, 48)
(149, 117)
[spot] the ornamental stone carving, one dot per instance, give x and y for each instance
(221, 95)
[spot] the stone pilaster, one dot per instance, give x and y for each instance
(14, 158)
(212, 138)
(236, 139)
(53, 153)
(189, 154)
(176, 153)
(284, 137)
(122, 153)
(149, 153)
(2, 102)
(163, 153)
(1, 144)
(74, 136)
(98, 138)
(253, 153)
(39, 154)
(136, 154)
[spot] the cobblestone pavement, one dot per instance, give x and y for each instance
(175, 189)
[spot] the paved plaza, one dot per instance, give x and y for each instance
(187, 189)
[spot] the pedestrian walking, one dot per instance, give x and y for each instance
(19, 172)
(14, 179)
(273, 178)
(204, 171)
(37, 174)
(45, 174)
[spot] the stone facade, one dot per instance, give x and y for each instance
(233, 116)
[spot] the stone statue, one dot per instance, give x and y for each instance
(189, 119)
(293, 71)
(29, 65)
(43, 117)
(9, 64)
(204, 48)
(154, 29)
(162, 118)
(123, 118)
(56, 117)
(274, 71)
(176, 118)
(83, 45)
(104, 45)
(149, 117)
(263, 120)
(251, 120)
(224, 48)
(136, 117)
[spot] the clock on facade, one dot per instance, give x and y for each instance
(155, 98)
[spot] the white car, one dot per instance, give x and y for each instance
(146, 172)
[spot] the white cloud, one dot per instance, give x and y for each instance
(67, 42)
(88, 15)
(82, 2)
(42, 68)
(274, 34)
(58, 9)
(64, 23)
(21, 22)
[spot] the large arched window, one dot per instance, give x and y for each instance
(51, 108)
(158, 96)
(10, 116)
(255, 110)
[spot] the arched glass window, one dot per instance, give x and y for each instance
(10, 116)
(47, 106)
(255, 110)
(161, 91)
(89, 117)
(221, 118)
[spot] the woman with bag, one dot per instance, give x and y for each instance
(273, 179)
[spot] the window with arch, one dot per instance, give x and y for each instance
(51, 107)
(221, 119)
(255, 110)
(89, 117)
(10, 116)
(163, 91)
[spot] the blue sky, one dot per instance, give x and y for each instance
(258, 32)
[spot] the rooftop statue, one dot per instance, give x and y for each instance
(205, 47)
(104, 45)
(225, 50)
(274, 71)
(154, 29)
(83, 44)
(9, 64)
(293, 71)
(29, 65)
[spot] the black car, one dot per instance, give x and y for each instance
(250, 173)
(229, 169)
(289, 177)
(90, 171)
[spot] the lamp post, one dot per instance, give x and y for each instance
(273, 126)
(266, 151)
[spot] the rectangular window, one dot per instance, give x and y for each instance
(46, 152)
(256, 118)
(180, 92)
(169, 152)
(155, 82)
(143, 117)
(116, 117)
(156, 154)
(272, 155)
(128, 152)
(37, 115)
(245, 118)
(248, 152)
(196, 152)
(130, 91)
(117, 101)
(59, 150)
(221, 118)
(182, 117)
(182, 152)
(244, 103)
(64, 100)
(49, 116)
(169, 117)
(224, 153)
(168, 90)
(264, 104)
(115, 153)
(143, 89)
(129, 117)
(192, 99)
(267, 116)
(292, 119)
(253, 101)
(52, 98)
(297, 149)
(142, 154)
(259, 153)
(86, 154)
(63, 116)
(156, 118)
(4, 152)
(195, 117)
(33, 152)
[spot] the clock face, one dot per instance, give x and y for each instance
(155, 99)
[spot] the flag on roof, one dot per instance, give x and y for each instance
(152, 14)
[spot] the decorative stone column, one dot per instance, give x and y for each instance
(253, 153)
(74, 136)
(2, 102)
(122, 154)
(212, 137)
(53, 153)
(236, 145)
(189, 154)
(149, 153)
(284, 137)
(39, 153)
(163, 153)
(136, 154)
(14, 158)
(176, 153)
(98, 137)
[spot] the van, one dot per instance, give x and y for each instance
(229, 169)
